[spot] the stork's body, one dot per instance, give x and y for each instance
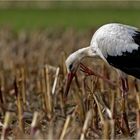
(117, 44)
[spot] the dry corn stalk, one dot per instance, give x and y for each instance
(19, 101)
(5, 125)
(138, 111)
(112, 128)
(43, 89)
(34, 124)
(138, 134)
(65, 127)
(106, 129)
(55, 80)
(50, 131)
(48, 95)
(138, 99)
(99, 109)
(86, 124)
(22, 84)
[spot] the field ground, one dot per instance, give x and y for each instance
(28, 109)
(66, 18)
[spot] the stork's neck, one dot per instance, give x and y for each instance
(84, 52)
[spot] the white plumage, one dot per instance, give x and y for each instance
(114, 39)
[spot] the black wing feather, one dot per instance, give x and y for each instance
(128, 62)
(136, 37)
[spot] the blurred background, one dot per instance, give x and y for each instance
(36, 36)
(49, 26)
(82, 15)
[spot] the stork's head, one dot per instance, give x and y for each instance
(73, 61)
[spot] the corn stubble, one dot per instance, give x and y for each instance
(31, 95)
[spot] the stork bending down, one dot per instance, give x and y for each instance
(116, 44)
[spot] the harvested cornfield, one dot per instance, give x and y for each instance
(32, 84)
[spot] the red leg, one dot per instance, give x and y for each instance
(89, 72)
(86, 70)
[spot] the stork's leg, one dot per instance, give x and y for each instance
(124, 119)
(89, 72)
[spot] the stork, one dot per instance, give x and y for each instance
(115, 43)
(118, 45)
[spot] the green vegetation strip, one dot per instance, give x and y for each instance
(81, 19)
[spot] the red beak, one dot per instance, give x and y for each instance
(69, 80)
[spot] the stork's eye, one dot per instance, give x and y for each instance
(70, 66)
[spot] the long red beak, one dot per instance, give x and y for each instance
(69, 80)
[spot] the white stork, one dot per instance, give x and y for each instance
(116, 44)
